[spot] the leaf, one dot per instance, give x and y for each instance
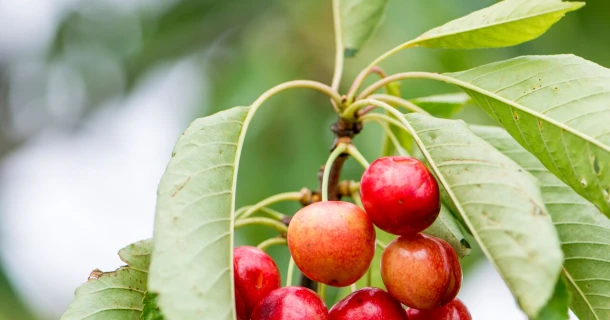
(150, 309)
(443, 105)
(359, 20)
(557, 108)
(448, 228)
(557, 307)
(506, 23)
(583, 230)
(192, 261)
(501, 205)
(114, 295)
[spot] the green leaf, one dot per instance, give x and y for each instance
(557, 307)
(443, 105)
(501, 205)
(557, 108)
(150, 309)
(114, 295)
(359, 20)
(448, 228)
(192, 261)
(506, 23)
(583, 230)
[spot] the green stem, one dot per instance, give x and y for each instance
(287, 196)
(381, 118)
(282, 228)
(353, 287)
(380, 244)
(411, 75)
(354, 152)
(274, 214)
(322, 291)
(362, 75)
(333, 94)
(408, 105)
(290, 272)
(357, 199)
(339, 54)
(327, 168)
(271, 242)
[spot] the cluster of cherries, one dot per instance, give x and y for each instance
(333, 242)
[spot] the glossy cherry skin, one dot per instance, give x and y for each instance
(454, 310)
(255, 275)
(368, 304)
(240, 307)
(421, 271)
(400, 195)
(291, 303)
(332, 242)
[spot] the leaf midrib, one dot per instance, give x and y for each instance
(525, 109)
(568, 5)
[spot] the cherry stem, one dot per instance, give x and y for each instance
(354, 152)
(286, 196)
(353, 287)
(290, 272)
(271, 242)
(282, 228)
(340, 149)
(357, 200)
(380, 244)
(406, 104)
(322, 291)
(383, 120)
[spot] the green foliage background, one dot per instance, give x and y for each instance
(246, 47)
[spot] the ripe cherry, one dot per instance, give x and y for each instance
(368, 304)
(421, 271)
(240, 307)
(400, 195)
(255, 275)
(454, 310)
(332, 242)
(291, 303)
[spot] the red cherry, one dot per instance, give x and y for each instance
(454, 310)
(400, 195)
(421, 271)
(291, 303)
(332, 242)
(255, 275)
(368, 304)
(240, 307)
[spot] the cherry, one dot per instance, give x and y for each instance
(454, 310)
(240, 307)
(255, 275)
(332, 242)
(421, 271)
(291, 303)
(368, 304)
(400, 195)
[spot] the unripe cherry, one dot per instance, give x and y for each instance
(421, 271)
(400, 195)
(332, 242)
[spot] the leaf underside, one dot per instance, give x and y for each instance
(557, 108)
(504, 24)
(191, 267)
(583, 230)
(501, 205)
(443, 105)
(117, 294)
(448, 228)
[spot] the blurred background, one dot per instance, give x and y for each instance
(93, 95)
